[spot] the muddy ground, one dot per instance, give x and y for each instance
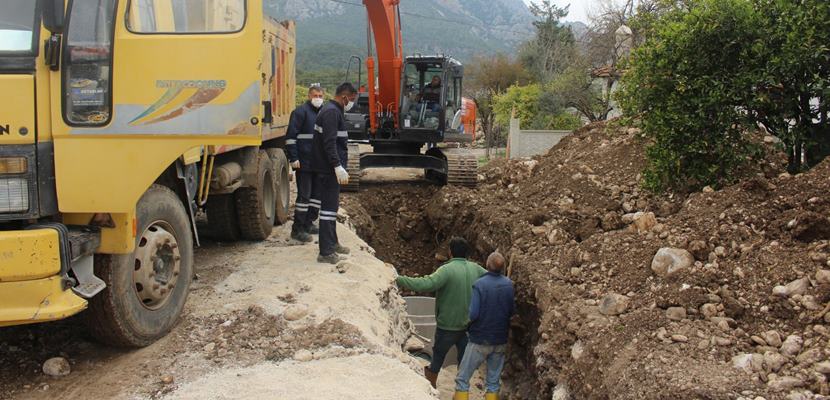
(624, 294)
(263, 320)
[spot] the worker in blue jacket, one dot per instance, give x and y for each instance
(491, 308)
(298, 144)
(329, 158)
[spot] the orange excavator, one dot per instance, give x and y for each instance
(413, 115)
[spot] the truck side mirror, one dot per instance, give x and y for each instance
(53, 15)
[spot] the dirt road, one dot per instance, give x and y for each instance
(264, 320)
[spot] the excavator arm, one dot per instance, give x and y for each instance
(385, 24)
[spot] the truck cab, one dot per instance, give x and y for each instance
(114, 116)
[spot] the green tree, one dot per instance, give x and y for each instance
(713, 69)
(524, 100)
(577, 88)
(486, 78)
(794, 84)
(553, 46)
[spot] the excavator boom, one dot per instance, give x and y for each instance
(384, 20)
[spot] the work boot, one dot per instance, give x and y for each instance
(340, 249)
(313, 229)
(300, 235)
(490, 396)
(461, 396)
(432, 377)
(332, 258)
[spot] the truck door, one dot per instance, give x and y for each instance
(145, 81)
(179, 67)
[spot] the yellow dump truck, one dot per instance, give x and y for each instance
(122, 123)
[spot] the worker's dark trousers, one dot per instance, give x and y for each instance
(443, 342)
(307, 206)
(329, 190)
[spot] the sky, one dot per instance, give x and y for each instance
(579, 8)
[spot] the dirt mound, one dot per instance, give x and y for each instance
(628, 295)
(249, 336)
(583, 238)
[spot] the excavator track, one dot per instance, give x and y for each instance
(353, 169)
(462, 167)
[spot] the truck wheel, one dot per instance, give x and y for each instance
(222, 220)
(147, 290)
(256, 206)
(283, 184)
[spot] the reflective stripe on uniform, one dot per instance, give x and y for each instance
(318, 128)
(344, 134)
(290, 141)
(301, 204)
(305, 136)
(328, 218)
(331, 213)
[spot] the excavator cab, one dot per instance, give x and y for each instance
(430, 99)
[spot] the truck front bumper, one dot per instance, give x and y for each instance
(32, 281)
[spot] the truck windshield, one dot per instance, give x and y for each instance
(17, 21)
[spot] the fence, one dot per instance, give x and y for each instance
(528, 143)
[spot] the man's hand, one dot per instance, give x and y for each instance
(295, 164)
(342, 175)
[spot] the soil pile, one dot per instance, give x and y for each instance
(628, 295)
(388, 215)
(264, 320)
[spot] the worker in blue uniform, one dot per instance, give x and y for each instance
(298, 144)
(329, 159)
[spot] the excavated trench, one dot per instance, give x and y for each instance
(395, 220)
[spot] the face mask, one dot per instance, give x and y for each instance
(349, 106)
(317, 102)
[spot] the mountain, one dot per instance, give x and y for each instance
(578, 28)
(330, 31)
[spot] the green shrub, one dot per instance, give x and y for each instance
(689, 84)
(711, 70)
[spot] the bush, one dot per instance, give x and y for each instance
(689, 84)
(524, 99)
(714, 69)
(564, 122)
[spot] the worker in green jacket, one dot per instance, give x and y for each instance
(453, 287)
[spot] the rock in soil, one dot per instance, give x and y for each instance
(56, 366)
(669, 262)
(613, 304)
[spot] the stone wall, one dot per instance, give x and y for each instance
(528, 143)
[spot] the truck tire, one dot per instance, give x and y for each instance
(256, 206)
(222, 220)
(146, 290)
(283, 177)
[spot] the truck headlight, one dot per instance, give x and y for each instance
(14, 195)
(13, 165)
